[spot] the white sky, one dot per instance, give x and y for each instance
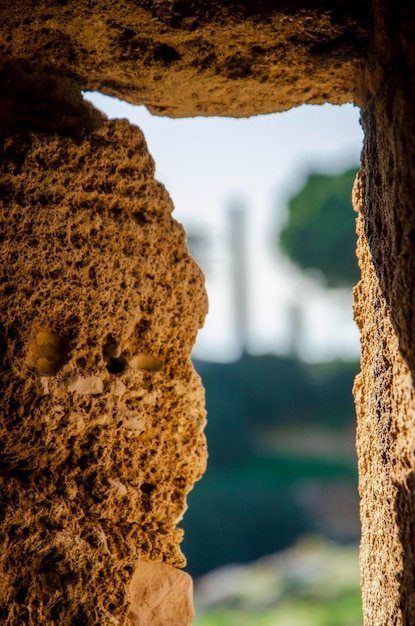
(205, 163)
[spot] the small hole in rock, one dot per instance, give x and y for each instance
(147, 488)
(115, 363)
(165, 53)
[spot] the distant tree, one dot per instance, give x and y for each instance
(320, 231)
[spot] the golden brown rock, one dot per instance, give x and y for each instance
(385, 403)
(161, 595)
(384, 309)
(101, 414)
(181, 58)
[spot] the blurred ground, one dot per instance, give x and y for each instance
(314, 583)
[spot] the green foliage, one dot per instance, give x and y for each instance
(314, 583)
(246, 505)
(344, 611)
(256, 392)
(320, 232)
(237, 519)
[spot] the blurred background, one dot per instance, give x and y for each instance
(272, 531)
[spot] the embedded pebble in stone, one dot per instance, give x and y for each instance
(120, 489)
(89, 386)
(118, 388)
(43, 386)
(136, 423)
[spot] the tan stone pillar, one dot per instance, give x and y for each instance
(101, 412)
(385, 312)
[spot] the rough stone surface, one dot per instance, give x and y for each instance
(186, 57)
(385, 306)
(101, 412)
(385, 403)
(161, 595)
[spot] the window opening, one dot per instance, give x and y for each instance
(272, 528)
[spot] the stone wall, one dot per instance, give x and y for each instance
(183, 57)
(384, 308)
(101, 413)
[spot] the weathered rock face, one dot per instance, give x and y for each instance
(385, 305)
(101, 413)
(185, 58)
(385, 403)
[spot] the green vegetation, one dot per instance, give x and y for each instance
(268, 421)
(343, 611)
(320, 232)
(314, 583)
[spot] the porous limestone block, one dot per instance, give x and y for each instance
(101, 412)
(161, 595)
(385, 404)
(181, 58)
(385, 312)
